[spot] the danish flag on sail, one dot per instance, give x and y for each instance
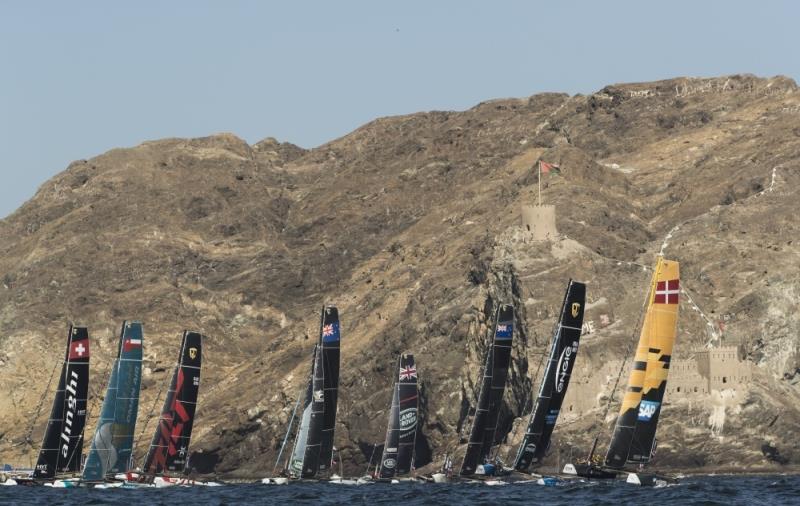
(667, 292)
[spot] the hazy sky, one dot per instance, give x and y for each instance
(79, 78)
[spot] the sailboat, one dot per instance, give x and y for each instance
(313, 444)
(168, 452)
(62, 445)
(634, 437)
(487, 412)
(401, 432)
(112, 443)
(553, 388)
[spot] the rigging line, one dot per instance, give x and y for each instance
(152, 410)
(625, 358)
(288, 430)
(41, 403)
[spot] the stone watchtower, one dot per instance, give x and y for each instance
(540, 221)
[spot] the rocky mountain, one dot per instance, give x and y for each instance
(411, 225)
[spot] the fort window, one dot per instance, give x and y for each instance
(724, 379)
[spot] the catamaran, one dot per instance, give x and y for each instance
(113, 438)
(312, 453)
(168, 452)
(553, 388)
(401, 432)
(487, 412)
(634, 438)
(62, 445)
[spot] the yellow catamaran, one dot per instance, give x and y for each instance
(634, 436)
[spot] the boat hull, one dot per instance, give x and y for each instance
(590, 472)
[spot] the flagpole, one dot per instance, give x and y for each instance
(540, 182)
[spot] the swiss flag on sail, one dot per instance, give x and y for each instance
(667, 292)
(79, 349)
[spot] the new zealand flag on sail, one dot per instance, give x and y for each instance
(330, 332)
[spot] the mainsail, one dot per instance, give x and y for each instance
(170, 445)
(113, 438)
(495, 372)
(314, 442)
(555, 381)
(634, 434)
(329, 344)
(63, 439)
(398, 450)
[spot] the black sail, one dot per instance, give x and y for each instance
(63, 438)
(329, 344)
(555, 381)
(401, 432)
(170, 445)
(495, 372)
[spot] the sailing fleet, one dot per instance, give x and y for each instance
(312, 456)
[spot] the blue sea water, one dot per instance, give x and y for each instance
(705, 490)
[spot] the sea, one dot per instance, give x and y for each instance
(705, 490)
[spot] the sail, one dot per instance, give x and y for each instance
(113, 438)
(555, 381)
(495, 372)
(329, 344)
(170, 444)
(401, 432)
(299, 450)
(63, 438)
(634, 434)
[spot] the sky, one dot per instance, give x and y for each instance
(80, 78)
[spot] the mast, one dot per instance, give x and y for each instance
(487, 412)
(398, 450)
(553, 388)
(634, 434)
(63, 438)
(113, 438)
(329, 343)
(170, 444)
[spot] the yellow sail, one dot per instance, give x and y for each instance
(634, 435)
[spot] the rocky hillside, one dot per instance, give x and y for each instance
(411, 225)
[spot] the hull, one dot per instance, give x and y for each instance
(590, 472)
(649, 480)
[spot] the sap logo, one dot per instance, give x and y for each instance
(551, 417)
(647, 409)
(389, 463)
(391, 450)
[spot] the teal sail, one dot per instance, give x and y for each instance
(112, 443)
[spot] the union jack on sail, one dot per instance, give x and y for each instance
(408, 372)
